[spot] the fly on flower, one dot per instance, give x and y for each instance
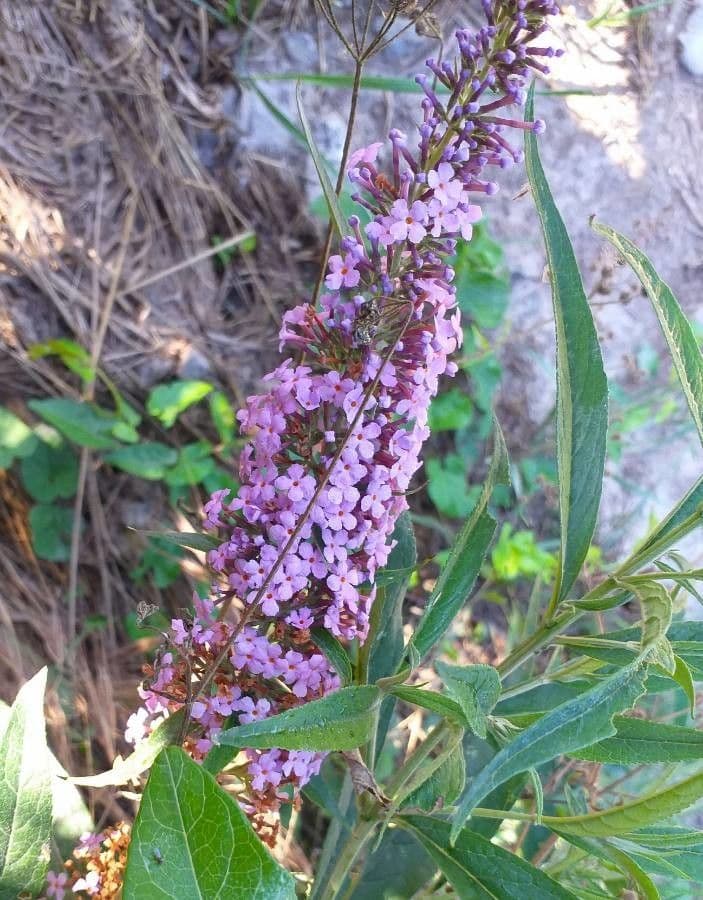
(366, 323)
(145, 611)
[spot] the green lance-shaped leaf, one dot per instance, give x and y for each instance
(543, 698)
(682, 343)
(475, 688)
(336, 214)
(684, 678)
(126, 770)
(444, 785)
(667, 850)
(193, 540)
(601, 849)
(397, 869)
(479, 869)
(431, 700)
(640, 741)
(465, 557)
(683, 518)
(575, 724)
(665, 837)
(620, 647)
(384, 645)
(190, 839)
(340, 721)
(582, 388)
(644, 884)
(334, 651)
(647, 810)
(70, 816)
(25, 794)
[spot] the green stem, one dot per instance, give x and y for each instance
(340, 176)
(539, 639)
(353, 846)
(415, 760)
(508, 814)
(575, 667)
(359, 837)
(332, 838)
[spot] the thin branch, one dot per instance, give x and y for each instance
(187, 263)
(88, 393)
(358, 68)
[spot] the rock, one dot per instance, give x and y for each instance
(195, 365)
(691, 40)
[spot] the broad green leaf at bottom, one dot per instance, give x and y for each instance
(191, 840)
(25, 794)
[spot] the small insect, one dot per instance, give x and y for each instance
(158, 856)
(144, 610)
(366, 323)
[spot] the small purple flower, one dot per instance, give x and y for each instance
(363, 155)
(265, 771)
(343, 272)
(374, 500)
(253, 712)
(343, 582)
(198, 710)
(213, 509)
(296, 484)
(467, 215)
(379, 230)
(89, 842)
(300, 619)
(408, 222)
(179, 633)
(56, 884)
(445, 187)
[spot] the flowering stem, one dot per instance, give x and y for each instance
(207, 680)
(356, 86)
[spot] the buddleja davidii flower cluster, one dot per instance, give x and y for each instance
(96, 868)
(335, 439)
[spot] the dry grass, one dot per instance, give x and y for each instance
(106, 223)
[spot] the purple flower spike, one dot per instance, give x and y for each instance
(331, 446)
